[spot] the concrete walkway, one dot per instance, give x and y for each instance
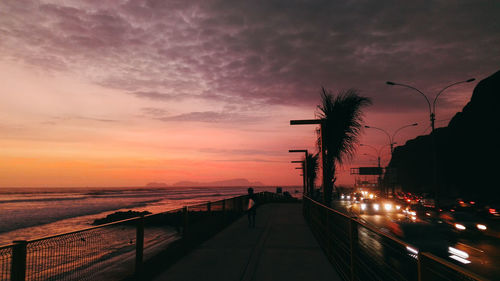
(281, 247)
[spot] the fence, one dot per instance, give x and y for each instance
(361, 252)
(119, 250)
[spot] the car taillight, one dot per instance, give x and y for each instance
(492, 211)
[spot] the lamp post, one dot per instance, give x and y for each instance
(320, 122)
(391, 142)
(432, 109)
(378, 151)
(304, 178)
(391, 138)
(432, 115)
(304, 166)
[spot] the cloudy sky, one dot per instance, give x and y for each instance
(121, 93)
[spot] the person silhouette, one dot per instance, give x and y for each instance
(252, 206)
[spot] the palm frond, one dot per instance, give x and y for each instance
(343, 117)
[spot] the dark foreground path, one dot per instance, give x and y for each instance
(281, 247)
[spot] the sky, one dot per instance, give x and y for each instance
(122, 93)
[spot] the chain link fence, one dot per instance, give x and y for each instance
(120, 250)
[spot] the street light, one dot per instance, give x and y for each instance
(378, 151)
(432, 109)
(320, 122)
(304, 180)
(304, 165)
(391, 138)
(432, 114)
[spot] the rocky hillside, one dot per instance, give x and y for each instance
(467, 150)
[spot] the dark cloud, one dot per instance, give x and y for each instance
(258, 52)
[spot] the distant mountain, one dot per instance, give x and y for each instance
(468, 152)
(156, 184)
(231, 182)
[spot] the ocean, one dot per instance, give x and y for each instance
(30, 213)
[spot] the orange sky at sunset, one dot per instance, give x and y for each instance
(108, 94)
(64, 132)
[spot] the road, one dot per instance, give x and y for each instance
(483, 251)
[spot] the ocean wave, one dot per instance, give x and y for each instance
(19, 220)
(42, 199)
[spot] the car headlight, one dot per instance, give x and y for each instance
(376, 207)
(398, 207)
(458, 255)
(363, 206)
(481, 226)
(459, 226)
(388, 207)
(458, 252)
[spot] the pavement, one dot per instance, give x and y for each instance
(280, 247)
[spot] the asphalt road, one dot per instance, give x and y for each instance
(484, 251)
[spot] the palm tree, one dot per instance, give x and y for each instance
(343, 124)
(312, 171)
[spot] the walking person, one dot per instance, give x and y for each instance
(252, 206)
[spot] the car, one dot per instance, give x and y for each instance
(427, 237)
(357, 197)
(490, 211)
(464, 223)
(369, 206)
(345, 196)
(410, 212)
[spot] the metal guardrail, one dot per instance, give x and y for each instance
(361, 252)
(117, 250)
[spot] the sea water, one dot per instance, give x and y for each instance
(30, 213)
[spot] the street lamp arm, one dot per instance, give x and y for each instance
(411, 87)
(456, 83)
(380, 129)
(406, 126)
(378, 151)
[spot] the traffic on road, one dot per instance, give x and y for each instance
(466, 233)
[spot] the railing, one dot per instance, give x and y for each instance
(361, 252)
(120, 249)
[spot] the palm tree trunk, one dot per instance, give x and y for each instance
(328, 188)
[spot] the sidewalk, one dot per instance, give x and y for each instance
(281, 247)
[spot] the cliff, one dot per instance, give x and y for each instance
(467, 150)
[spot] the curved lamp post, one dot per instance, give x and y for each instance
(378, 151)
(432, 108)
(391, 138)
(432, 114)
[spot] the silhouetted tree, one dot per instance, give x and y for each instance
(312, 171)
(343, 125)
